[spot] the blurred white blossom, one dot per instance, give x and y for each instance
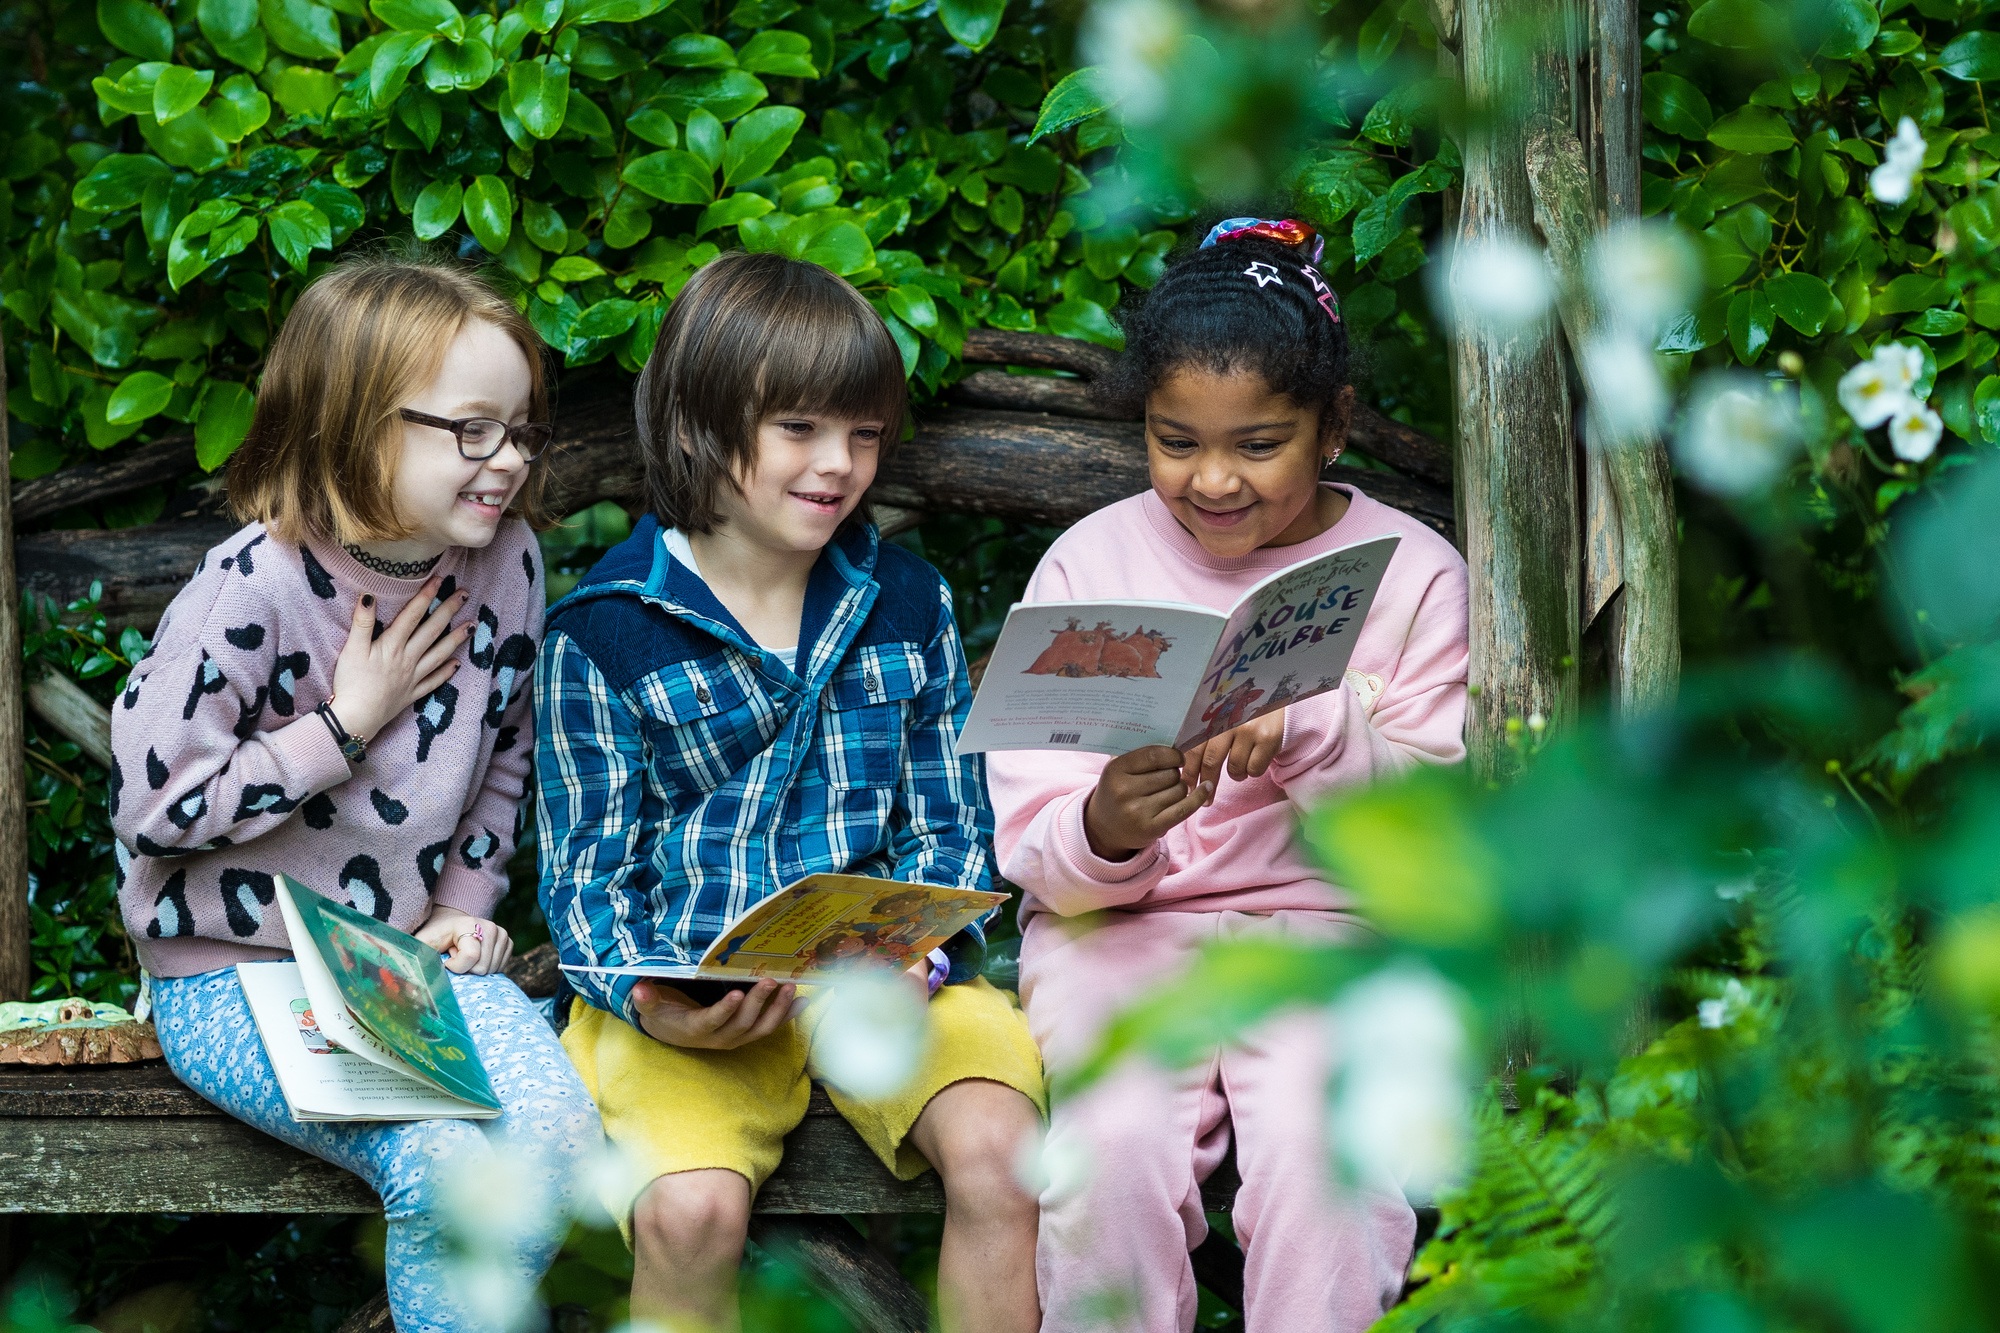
(1737, 434)
(1045, 1166)
(1873, 390)
(1901, 158)
(1721, 1012)
(1399, 1100)
(492, 1210)
(1643, 275)
(1914, 431)
(871, 1036)
(1626, 391)
(1500, 283)
(1133, 42)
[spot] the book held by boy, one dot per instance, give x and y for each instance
(363, 1025)
(1113, 676)
(812, 930)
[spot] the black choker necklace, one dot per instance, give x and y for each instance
(395, 569)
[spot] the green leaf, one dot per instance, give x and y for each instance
(489, 211)
(297, 229)
(139, 396)
(1740, 24)
(1078, 317)
(423, 115)
(539, 91)
(541, 15)
(843, 247)
(629, 223)
(1677, 106)
(226, 21)
(1986, 409)
(459, 66)
(972, 22)
(729, 212)
(437, 209)
(606, 319)
(655, 126)
(705, 138)
(576, 268)
(187, 249)
(1851, 26)
(239, 110)
(303, 28)
(699, 50)
(1080, 95)
(342, 207)
(672, 176)
(1972, 56)
(438, 17)
(724, 93)
(617, 11)
(544, 226)
(1935, 323)
(226, 411)
(136, 28)
(758, 140)
(1750, 322)
(389, 69)
(179, 90)
(304, 91)
(1802, 301)
(1752, 129)
(119, 181)
(775, 51)
(1912, 291)
(1382, 220)
(914, 306)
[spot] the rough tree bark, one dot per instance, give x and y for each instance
(1517, 496)
(16, 971)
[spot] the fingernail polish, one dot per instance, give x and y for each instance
(367, 599)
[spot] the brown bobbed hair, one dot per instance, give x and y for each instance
(749, 336)
(360, 342)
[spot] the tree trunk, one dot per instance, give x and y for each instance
(16, 970)
(1517, 495)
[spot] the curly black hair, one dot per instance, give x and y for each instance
(1210, 311)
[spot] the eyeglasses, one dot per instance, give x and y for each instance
(479, 438)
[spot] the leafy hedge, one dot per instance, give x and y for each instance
(176, 177)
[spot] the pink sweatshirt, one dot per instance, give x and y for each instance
(1402, 703)
(222, 775)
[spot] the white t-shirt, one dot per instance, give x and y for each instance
(679, 549)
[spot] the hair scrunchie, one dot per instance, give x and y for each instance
(1285, 231)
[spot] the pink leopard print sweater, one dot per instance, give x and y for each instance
(222, 776)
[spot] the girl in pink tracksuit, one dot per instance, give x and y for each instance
(1131, 865)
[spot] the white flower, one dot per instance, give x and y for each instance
(871, 1037)
(1914, 431)
(1626, 392)
(1736, 890)
(1501, 283)
(1049, 1167)
(492, 1206)
(1901, 157)
(1134, 41)
(1399, 1102)
(1720, 1013)
(1873, 390)
(1642, 274)
(1737, 434)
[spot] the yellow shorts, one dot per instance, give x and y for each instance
(671, 1108)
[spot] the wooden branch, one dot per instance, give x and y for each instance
(374, 1317)
(1032, 393)
(1001, 347)
(72, 714)
(1646, 668)
(535, 971)
(839, 1261)
(96, 479)
(16, 968)
(1516, 494)
(1404, 448)
(141, 568)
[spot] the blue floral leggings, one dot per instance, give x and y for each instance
(542, 1140)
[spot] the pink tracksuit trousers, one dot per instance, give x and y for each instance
(1127, 1156)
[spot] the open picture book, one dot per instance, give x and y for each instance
(363, 1025)
(1110, 677)
(823, 924)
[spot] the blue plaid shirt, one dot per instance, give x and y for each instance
(685, 773)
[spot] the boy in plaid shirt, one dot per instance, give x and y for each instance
(750, 689)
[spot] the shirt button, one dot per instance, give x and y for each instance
(872, 681)
(701, 695)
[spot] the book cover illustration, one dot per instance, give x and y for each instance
(396, 991)
(1101, 651)
(823, 924)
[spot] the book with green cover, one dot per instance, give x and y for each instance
(383, 994)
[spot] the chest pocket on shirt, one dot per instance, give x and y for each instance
(864, 710)
(706, 726)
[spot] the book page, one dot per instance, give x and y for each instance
(328, 1006)
(396, 988)
(1106, 677)
(1290, 638)
(823, 924)
(320, 1080)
